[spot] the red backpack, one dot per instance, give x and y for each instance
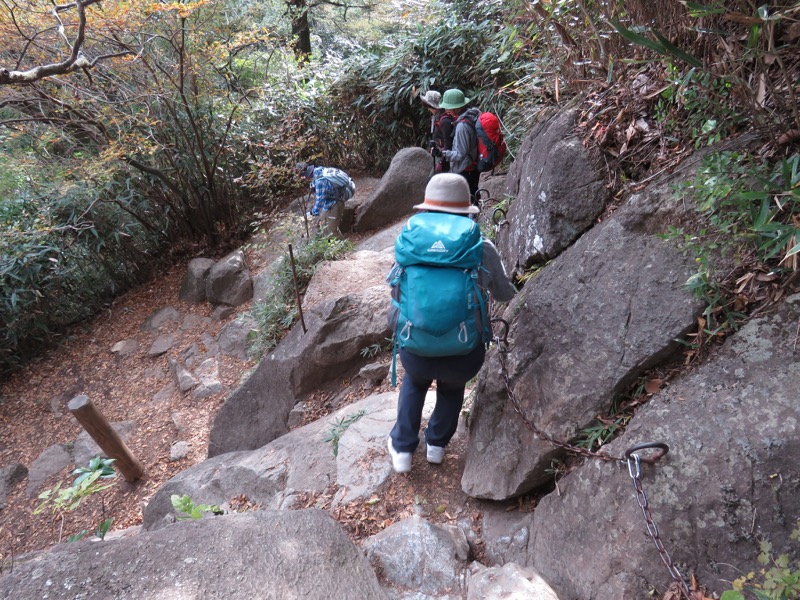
(491, 143)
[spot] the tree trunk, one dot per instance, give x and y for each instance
(301, 33)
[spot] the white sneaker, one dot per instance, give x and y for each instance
(435, 454)
(401, 461)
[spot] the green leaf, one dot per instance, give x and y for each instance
(793, 251)
(638, 39)
(677, 52)
(701, 10)
(731, 595)
(78, 536)
(104, 528)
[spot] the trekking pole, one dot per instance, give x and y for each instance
(297, 288)
(306, 200)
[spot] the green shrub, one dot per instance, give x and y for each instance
(276, 314)
(777, 580)
(60, 500)
(750, 212)
(190, 510)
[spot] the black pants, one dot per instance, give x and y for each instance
(473, 178)
(451, 374)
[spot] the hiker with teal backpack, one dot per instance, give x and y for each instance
(441, 279)
(332, 188)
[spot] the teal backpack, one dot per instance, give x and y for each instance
(437, 307)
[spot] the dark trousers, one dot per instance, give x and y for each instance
(473, 179)
(451, 374)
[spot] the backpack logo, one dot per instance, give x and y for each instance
(438, 246)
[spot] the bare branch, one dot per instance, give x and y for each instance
(76, 60)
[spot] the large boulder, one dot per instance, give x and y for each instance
(583, 329)
(302, 461)
(730, 479)
(270, 555)
(335, 278)
(329, 350)
(421, 557)
(229, 282)
(193, 288)
(402, 186)
(558, 193)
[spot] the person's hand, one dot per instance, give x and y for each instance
(435, 150)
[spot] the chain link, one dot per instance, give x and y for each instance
(631, 458)
(635, 473)
(538, 432)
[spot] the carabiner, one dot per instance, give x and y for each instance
(661, 450)
(497, 338)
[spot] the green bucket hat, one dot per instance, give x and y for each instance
(453, 99)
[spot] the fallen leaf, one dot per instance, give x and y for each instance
(653, 385)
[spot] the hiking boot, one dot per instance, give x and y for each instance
(401, 461)
(435, 454)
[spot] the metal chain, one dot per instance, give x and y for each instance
(631, 458)
(538, 432)
(635, 472)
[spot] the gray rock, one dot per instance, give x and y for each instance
(233, 340)
(492, 190)
(558, 192)
(164, 395)
(507, 582)
(270, 555)
(181, 420)
(383, 241)
(420, 556)
(507, 535)
(179, 450)
(53, 460)
(9, 477)
(582, 330)
(296, 415)
(161, 345)
(160, 318)
(258, 411)
(302, 461)
(731, 478)
(336, 278)
(222, 312)
(182, 377)
(193, 321)
(229, 282)
(125, 347)
(375, 371)
(402, 186)
(193, 288)
(208, 378)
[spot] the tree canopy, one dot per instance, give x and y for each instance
(135, 131)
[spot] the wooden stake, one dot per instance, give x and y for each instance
(106, 437)
(297, 290)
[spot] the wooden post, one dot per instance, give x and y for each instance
(297, 289)
(106, 437)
